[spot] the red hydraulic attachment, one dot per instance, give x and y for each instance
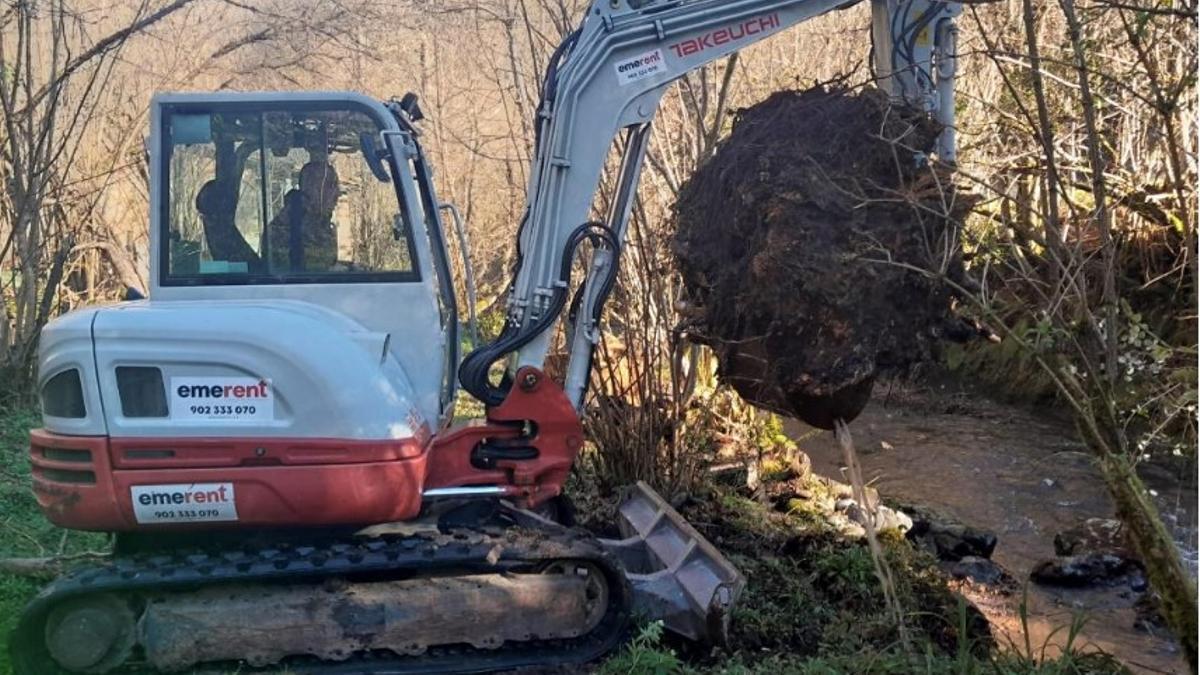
(537, 416)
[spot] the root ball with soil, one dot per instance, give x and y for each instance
(798, 243)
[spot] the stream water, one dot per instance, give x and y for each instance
(1023, 475)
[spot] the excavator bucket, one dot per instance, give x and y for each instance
(677, 576)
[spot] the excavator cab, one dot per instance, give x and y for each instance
(319, 197)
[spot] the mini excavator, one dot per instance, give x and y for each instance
(270, 434)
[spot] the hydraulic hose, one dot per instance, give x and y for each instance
(475, 368)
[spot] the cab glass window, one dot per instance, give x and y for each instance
(280, 195)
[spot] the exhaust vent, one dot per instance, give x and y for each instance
(65, 455)
(142, 392)
(66, 475)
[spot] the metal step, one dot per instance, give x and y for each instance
(677, 576)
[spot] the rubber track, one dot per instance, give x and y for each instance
(472, 551)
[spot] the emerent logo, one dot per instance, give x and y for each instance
(641, 62)
(222, 399)
(260, 390)
(189, 495)
(640, 66)
(184, 503)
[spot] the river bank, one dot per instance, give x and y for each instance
(1023, 475)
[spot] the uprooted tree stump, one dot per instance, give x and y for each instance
(787, 241)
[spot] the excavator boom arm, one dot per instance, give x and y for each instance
(608, 78)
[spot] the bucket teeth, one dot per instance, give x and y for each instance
(677, 576)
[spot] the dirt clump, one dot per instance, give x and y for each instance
(780, 237)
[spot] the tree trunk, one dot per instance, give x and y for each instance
(1160, 556)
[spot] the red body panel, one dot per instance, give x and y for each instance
(84, 482)
(92, 492)
(165, 453)
(78, 493)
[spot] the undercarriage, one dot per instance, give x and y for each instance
(511, 591)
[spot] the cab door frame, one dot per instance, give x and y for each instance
(414, 184)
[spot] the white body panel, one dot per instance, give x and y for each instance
(66, 343)
(398, 318)
(330, 376)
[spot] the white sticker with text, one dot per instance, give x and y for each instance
(184, 503)
(222, 399)
(640, 66)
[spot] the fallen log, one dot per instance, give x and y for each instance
(46, 567)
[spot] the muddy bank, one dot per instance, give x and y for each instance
(1022, 475)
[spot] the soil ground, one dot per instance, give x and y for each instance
(1022, 474)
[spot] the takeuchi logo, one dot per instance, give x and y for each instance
(235, 391)
(726, 35)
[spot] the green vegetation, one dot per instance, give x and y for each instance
(646, 654)
(25, 532)
(813, 604)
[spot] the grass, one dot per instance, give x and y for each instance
(647, 654)
(812, 593)
(23, 530)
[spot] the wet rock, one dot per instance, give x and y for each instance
(980, 571)
(1138, 583)
(1094, 535)
(947, 538)
(1095, 552)
(1088, 569)
(886, 518)
(958, 541)
(1149, 614)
